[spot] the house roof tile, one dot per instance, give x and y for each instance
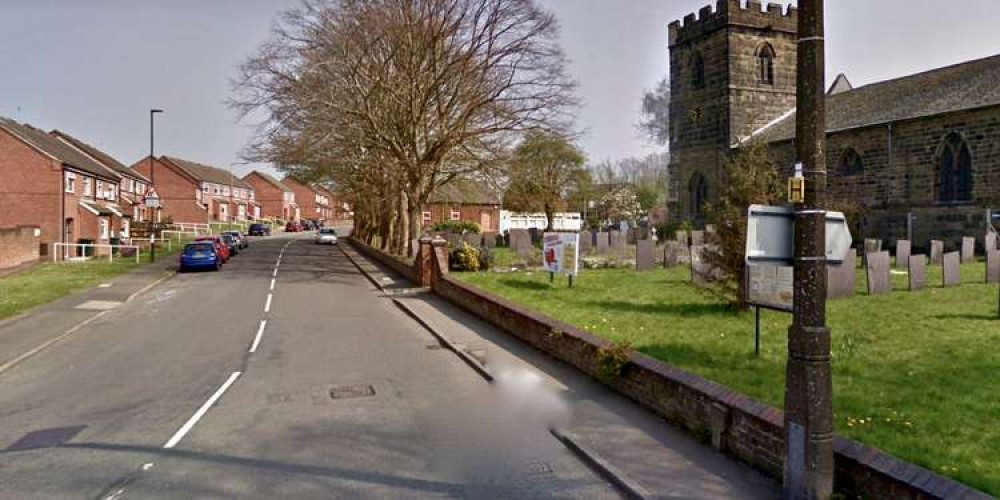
(465, 192)
(102, 157)
(57, 149)
(271, 180)
(206, 173)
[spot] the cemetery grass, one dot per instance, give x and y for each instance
(915, 374)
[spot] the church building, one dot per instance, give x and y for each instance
(917, 156)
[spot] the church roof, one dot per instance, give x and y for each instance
(464, 192)
(968, 85)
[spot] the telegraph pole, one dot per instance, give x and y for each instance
(808, 381)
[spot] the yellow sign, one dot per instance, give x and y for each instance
(796, 190)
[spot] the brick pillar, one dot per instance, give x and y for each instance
(424, 261)
(440, 259)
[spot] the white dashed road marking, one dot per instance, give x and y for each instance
(201, 412)
(260, 333)
(267, 305)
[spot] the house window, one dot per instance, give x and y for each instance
(100, 190)
(455, 214)
(69, 182)
(140, 188)
(850, 163)
(426, 216)
(954, 176)
(765, 64)
(127, 185)
(697, 71)
(88, 186)
(102, 227)
(205, 189)
(216, 190)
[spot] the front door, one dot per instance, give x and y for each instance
(69, 235)
(486, 221)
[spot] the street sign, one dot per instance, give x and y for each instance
(771, 235)
(151, 199)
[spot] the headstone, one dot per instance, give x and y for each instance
(536, 236)
(671, 252)
(585, 243)
(644, 255)
(697, 238)
(454, 240)
(681, 237)
(473, 239)
(614, 238)
(903, 249)
(490, 239)
(968, 250)
(952, 272)
(991, 241)
(520, 242)
(840, 278)
(701, 271)
(603, 242)
(872, 245)
(937, 250)
(877, 271)
(993, 267)
(918, 272)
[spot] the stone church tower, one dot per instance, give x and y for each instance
(732, 71)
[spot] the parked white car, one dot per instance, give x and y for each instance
(326, 236)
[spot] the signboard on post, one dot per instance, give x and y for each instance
(561, 253)
(770, 253)
(151, 199)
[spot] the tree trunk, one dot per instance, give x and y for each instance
(549, 216)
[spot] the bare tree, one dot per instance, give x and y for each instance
(431, 90)
(655, 113)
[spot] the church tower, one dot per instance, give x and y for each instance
(732, 71)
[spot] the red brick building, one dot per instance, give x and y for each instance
(313, 204)
(131, 189)
(191, 192)
(463, 200)
(275, 199)
(52, 185)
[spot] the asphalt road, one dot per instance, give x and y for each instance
(185, 392)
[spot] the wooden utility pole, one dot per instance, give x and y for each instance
(808, 381)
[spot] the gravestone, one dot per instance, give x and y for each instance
(490, 239)
(990, 243)
(903, 249)
(877, 271)
(671, 252)
(614, 238)
(840, 278)
(993, 267)
(681, 237)
(937, 250)
(697, 238)
(701, 271)
(952, 272)
(520, 242)
(918, 272)
(454, 240)
(968, 249)
(644, 255)
(872, 245)
(474, 240)
(585, 243)
(603, 242)
(536, 236)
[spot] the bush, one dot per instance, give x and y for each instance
(465, 258)
(456, 227)
(487, 259)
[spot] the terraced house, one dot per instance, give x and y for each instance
(70, 195)
(192, 192)
(275, 199)
(312, 203)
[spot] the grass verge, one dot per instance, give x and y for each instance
(915, 374)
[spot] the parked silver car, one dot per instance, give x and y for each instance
(326, 236)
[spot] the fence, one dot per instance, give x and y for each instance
(196, 228)
(148, 242)
(168, 234)
(84, 255)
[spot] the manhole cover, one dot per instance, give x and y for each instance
(352, 391)
(46, 438)
(539, 468)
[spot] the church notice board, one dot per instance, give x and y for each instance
(770, 286)
(561, 252)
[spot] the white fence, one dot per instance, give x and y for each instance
(193, 227)
(147, 242)
(169, 234)
(565, 221)
(69, 255)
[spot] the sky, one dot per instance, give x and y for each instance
(93, 68)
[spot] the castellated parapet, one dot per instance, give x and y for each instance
(732, 13)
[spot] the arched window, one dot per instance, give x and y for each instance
(954, 176)
(765, 64)
(699, 194)
(850, 163)
(697, 70)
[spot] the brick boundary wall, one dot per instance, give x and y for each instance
(733, 423)
(19, 245)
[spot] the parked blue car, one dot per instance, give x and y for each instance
(200, 255)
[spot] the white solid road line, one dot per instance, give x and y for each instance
(201, 412)
(260, 333)
(275, 273)
(267, 305)
(272, 284)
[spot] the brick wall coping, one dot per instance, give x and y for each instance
(860, 469)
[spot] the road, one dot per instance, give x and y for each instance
(282, 376)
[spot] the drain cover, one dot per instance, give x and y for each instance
(46, 438)
(539, 468)
(352, 391)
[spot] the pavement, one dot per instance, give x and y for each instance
(285, 375)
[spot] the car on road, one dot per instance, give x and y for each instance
(220, 246)
(293, 226)
(200, 255)
(326, 236)
(258, 229)
(231, 242)
(241, 239)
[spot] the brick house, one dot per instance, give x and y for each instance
(275, 199)
(312, 203)
(49, 184)
(192, 192)
(131, 188)
(338, 210)
(463, 200)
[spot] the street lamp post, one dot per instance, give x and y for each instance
(152, 182)
(808, 467)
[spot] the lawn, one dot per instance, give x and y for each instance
(48, 281)
(915, 374)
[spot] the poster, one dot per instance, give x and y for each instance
(770, 286)
(561, 252)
